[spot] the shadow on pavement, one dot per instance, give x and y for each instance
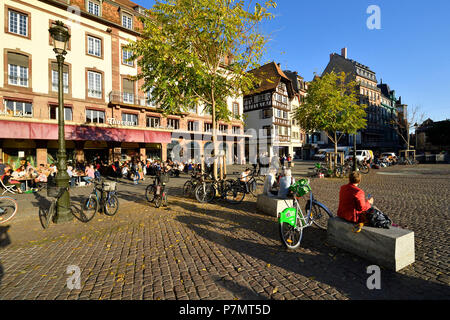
(317, 261)
(4, 242)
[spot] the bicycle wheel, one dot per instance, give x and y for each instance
(111, 205)
(290, 236)
(8, 208)
(150, 193)
(205, 192)
(45, 215)
(252, 187)
(364, 169)
(319, 215)
(164, 200)
(234, 194)
(188, 188)
(89, 208)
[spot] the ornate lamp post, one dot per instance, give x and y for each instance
(60, 36)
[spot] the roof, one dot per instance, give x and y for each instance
(127, 3)
(270, 75)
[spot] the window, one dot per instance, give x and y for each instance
(266, 113)
(17, 69)
(193, 126)
(126, 54)
(236, 130)
(54, 113)
(18, 23)
(235, 108)
(128, 91)
(94, 7)
(54, 67)
(153, 122)
(127, 21)
(223, 128)
(94, 46)
(94, 84)
(207, 127)
(19, 109)
(130, 119)
(173, 123)
(95, 116)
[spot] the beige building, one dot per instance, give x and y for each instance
(106, 112)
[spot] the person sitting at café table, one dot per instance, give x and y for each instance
(90, 174)
(8, 180)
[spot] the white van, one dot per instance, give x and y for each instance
(360, 155)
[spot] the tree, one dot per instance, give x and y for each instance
(406, 122)
(331, 106)
(197, 52)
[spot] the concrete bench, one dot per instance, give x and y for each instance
(272, 206)
(392, 248)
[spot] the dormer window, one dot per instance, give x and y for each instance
(94, 7)
(127, 21)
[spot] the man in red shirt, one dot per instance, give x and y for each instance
(352, 201)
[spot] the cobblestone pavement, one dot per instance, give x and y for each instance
(220, 251)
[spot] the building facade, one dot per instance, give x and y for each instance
(379, 115)
(106, 112)
(298, 136)
(268, 115)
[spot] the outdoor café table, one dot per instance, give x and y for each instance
(26, 179)
(79, 176)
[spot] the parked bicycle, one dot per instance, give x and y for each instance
(293, 220)
(48, 214)
(8, 208)
(252, 184)
(229, 190)
(156, 192)
(103, 199)
(190, 185)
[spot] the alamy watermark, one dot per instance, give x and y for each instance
(374, 281)
(374, 20)
(74, 280)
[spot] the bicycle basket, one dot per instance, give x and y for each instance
(109, 186)
(300, 188)
(164, 178)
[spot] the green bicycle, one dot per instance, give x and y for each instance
(293, 221)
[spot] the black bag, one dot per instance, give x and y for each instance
(378, 219)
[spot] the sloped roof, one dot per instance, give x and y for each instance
(127, 3)
(270, 75)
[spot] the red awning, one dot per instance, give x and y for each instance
(47, 131)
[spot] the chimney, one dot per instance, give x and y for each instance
(344, 52)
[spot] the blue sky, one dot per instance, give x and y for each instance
(411, 51)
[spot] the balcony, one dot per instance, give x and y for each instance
(282, 122)
(117, 97)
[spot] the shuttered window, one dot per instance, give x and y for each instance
(17, 69)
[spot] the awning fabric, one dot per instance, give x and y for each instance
(47, 131)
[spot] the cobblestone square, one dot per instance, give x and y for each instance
(219, 251)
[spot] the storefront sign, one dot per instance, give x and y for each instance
(118, 150)
(11, 113)
(113, 121)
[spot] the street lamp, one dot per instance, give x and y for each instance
(416, 126)
(60, 36)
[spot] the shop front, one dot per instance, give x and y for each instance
(37, 142)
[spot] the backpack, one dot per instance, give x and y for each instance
(378, 219)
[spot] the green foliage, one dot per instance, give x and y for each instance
(183, 48)
(331, 106)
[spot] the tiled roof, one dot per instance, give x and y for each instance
(270, 75)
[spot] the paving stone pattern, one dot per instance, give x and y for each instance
(220, 251)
